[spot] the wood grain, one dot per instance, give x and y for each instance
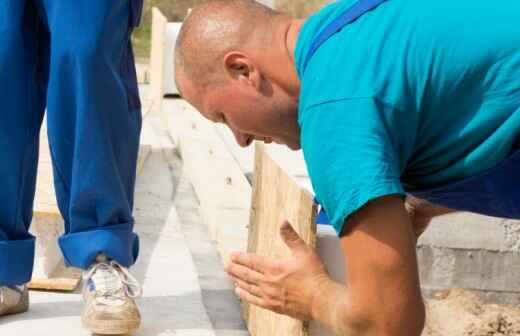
(276, 197)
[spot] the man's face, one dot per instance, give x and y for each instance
(266, 114)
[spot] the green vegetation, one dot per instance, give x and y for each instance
(174, 10)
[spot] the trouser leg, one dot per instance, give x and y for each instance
(94, 123)
(21, 112)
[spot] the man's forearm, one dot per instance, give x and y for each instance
(333, 308)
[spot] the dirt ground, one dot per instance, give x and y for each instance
(459, 313)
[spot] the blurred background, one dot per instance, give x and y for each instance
(176, 10)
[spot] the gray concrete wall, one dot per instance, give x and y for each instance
(474, 252)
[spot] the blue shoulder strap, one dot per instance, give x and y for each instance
(353, 13)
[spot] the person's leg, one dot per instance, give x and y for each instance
(94, 122)
(21, 112)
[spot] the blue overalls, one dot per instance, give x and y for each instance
(74, 58)
(495, 192)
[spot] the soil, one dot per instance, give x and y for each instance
(460, 313)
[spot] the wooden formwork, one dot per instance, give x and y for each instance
(276, 197)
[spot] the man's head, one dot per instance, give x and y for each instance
(232, 63)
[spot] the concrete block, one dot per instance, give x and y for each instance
(291, 161)
(223, 191)
(464, 230)
(172, 31)
(477, 270)
(47, 224)
(47, 229)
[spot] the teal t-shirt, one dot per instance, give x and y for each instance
(414, 93)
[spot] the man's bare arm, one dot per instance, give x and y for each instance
(382, 296)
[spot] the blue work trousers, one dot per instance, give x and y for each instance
(72, 58)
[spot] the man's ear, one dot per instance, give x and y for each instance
(240, 67)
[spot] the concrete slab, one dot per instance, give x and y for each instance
(466, 231)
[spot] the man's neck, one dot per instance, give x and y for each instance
(279, 66)
(291, 38)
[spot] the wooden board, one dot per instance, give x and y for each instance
(276, 197)
(62, 279)
(158, 45)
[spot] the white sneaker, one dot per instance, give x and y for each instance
(110, 291)
(13, 300)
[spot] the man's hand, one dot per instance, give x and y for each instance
(283, 286)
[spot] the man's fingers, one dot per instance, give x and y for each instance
(253, 261)
(248, 287)
(250, 298)
(244, 273)
(291, 237)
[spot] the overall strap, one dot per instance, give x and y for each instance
(354, 12)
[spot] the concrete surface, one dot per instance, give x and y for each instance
(186, 293)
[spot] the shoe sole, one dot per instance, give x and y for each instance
(22, 307)
(111, 327)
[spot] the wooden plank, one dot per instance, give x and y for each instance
(62, 279)
(144, 151)
(142, 71)
(276, 197)
(158, 45)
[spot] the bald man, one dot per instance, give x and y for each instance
(386, 99)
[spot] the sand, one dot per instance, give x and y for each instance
(459, 313)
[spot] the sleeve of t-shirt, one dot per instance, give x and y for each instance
(350, 155)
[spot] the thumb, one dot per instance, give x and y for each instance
(291, 237)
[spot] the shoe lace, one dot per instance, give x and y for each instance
(110, 277)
